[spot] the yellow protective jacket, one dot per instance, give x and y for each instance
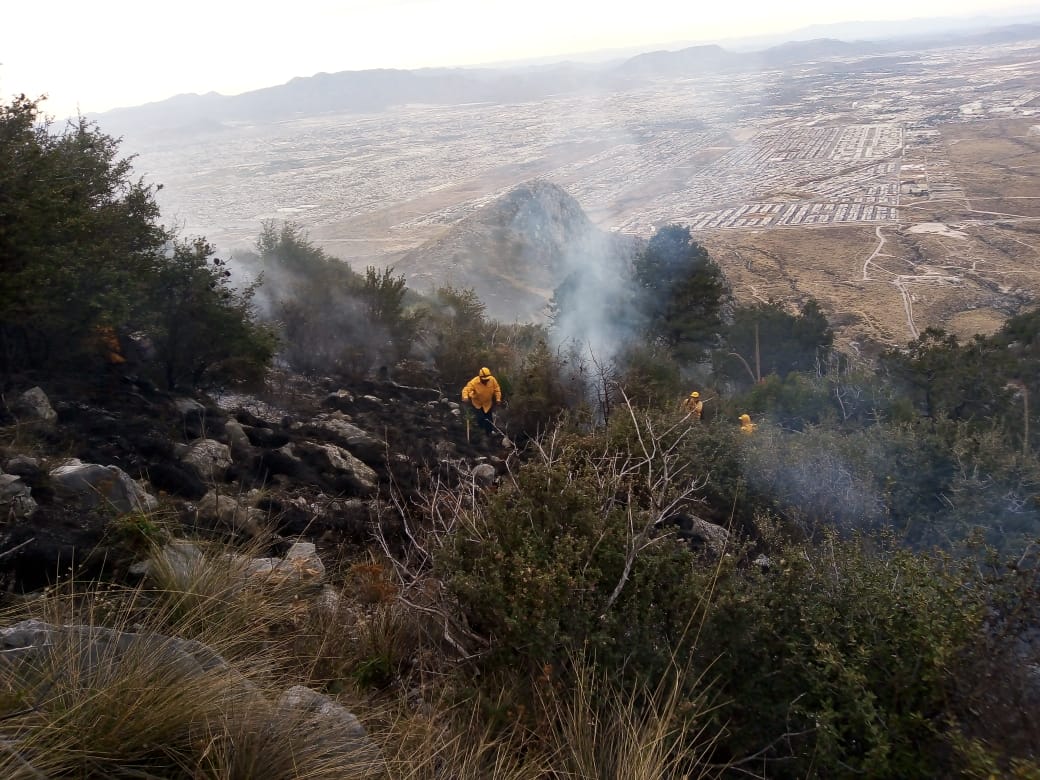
(481, 394)
(694, 406)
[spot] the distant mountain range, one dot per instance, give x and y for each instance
(376, 90)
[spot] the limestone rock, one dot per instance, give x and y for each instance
(229, 511)
(31, 643)
(240, 447)
(180, 561)
(300, 566)
(328, 720)
(339, 465)
(34, 404)
(341, 399)
(188, 407)
(359, 442)
(22, 466)
(483, 474)
(209, 457)
(701, 535)
(91, 485)
(16, 501)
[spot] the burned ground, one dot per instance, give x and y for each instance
(407, 435)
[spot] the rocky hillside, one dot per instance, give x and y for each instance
(516, 250)
(311, 459)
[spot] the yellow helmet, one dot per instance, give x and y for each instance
(695, 394)
(485, 371)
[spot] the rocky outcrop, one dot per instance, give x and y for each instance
(34, 404)
(31, 641)
(516, 250)
(16, 501)
(335, 725)
(91, 485)
(181, 560)
(315, 469)
(209, 458)
(300, 565)
(340, 470)
(230, 512)
(337, 428)
(699, 534)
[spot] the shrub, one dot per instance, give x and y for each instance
(566, 558)
(840, 658)
(77, 237)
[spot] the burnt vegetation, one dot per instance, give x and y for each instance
(851, 590)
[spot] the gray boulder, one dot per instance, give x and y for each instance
(188, 407)
(180, 561)
(16, 501)
(33, 645)
(701, 535)
(339, 466)
(34, 404)
(91, 485)
(483, 474)
(337, 429)
(209, 458)
(301, 566)
(332, 723)
(341, 399)
(240, 446)
(230, 512)
(23, 466)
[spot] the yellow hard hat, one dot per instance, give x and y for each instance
(485, 371)
(695, 394)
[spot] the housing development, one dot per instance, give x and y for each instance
(928, 157)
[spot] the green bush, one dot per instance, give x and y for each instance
(539, 567)
(839, 659)
(204, 329)
(77, 237)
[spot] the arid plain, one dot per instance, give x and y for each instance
(902, 190)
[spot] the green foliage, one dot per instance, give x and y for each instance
(77, 236)
(682, 293)
(649, 376)
(792, 401)
(333, 320)
(764, 338)
(287, 251)
(306, 295)
(839, 659)
(383, 296)
(935, 483)
(457, 336)
(82, 253)
(203, 328)
(535, 566)
(989, 379)
(943, 377)
(139, 532)
(547, 387)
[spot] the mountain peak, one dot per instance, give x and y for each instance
(515, 250)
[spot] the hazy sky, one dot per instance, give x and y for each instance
(101, 54)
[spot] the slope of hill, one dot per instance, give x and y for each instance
(516, 250)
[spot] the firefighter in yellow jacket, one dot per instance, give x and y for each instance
(693, 404)
(484, 393)
(746, 426)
